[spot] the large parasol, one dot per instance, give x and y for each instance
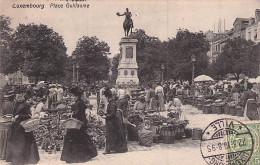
(257, 79)
(203, 78)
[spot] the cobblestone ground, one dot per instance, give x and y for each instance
(182, 152)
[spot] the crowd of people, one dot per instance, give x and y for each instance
(23, 103)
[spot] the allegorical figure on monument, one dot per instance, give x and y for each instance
(128, 23)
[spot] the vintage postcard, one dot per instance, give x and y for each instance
(130, 82)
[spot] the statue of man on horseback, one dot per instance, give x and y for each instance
(128, 23)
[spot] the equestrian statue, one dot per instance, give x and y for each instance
(128, 23)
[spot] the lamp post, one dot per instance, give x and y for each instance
(73, 61)
(162, 67)
(193, 59)
(77, 68)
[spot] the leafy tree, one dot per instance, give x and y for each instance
(180, 51)
(5, 39)
(238, 56)
(149, 58)
(92, 58)
(38, 51)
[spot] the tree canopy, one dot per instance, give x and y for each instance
(5, 39)
(238, 56)
(92, 58)
(37, 51)
(181, 49)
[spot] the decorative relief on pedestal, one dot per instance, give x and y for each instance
(125, 72)
(132, 72)
(129, 52)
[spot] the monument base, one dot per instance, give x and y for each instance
(125, 80)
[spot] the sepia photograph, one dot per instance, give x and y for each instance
(130, 82)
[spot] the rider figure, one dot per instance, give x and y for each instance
(128, 16)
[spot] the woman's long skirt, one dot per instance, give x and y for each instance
(115, 137)
(22, 148)
(78, 147)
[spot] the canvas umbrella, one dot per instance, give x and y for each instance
(203, 78)
(257, 80)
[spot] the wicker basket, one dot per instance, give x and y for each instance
(239, 111)
(72, 124)
(200, 106)
(226, 109)
(206, 109)
(232, 110)
(168, 134)
(218, 109)
(30, 124)
(196, 134)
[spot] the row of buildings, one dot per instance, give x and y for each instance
(247, 28)
(13, 79)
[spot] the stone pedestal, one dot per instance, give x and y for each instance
(127, 68)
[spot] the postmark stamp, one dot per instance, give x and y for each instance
(227, 142)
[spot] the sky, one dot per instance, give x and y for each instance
(160, 18)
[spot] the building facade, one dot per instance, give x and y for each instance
(247, 28)
(13, 79)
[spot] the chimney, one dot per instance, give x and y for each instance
(257, 15)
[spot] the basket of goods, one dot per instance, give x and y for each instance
(179, 126)
(188, 133)
(168, 133)
(212, 107)
(30, 124)
(239, 111)
(145, 137)
(196, 134)
(136, 120)
(232, 108)
(218, 107)
(72, 123)
(207, 109)
(199, 106)
(174, 115)
(208, 101)
(226, 109)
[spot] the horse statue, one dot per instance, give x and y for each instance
(128, 23)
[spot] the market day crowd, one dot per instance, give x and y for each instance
(124, 120)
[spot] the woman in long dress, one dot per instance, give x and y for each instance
(23, 148)
(78, 146)
(115, 136)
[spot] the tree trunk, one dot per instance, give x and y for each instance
(237, 77)
(36, 79)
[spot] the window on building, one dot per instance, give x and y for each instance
(255, 36)
(249, 35)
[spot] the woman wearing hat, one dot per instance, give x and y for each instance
(78, 146)
(23, 148)
(115, 137)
